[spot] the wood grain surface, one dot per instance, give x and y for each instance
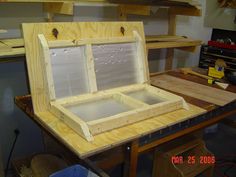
(113, 138)
(199, 91)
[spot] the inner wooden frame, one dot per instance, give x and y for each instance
(140, 111)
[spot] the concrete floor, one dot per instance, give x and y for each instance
(221, 143)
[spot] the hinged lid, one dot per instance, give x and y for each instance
(80, 66)
(83, 57)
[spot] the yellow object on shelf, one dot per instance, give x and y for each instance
(215, 73)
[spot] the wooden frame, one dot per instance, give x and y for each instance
(139, 110)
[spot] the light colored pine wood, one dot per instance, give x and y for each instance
(72, 120)
(174, 44)
(171, 31)
(91, 70)
(190, 11)
(199, 91)
(69, 43)
(46, 65)
(135, 9)
(4, 48)
(162, 38)
(66, 8)
(122, 119)
(13, 52)
(107, 140)
(11, 47)
(142, 59)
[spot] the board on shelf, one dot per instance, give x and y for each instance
(93, 75)
(170, 41)
(11, 47)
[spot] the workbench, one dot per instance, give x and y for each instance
(160, 130)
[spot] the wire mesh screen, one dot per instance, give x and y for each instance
(115, 65)
(69, 71)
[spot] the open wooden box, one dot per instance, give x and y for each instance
(94, 75)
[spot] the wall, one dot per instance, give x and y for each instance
(221, 18)
(1, 164)
(13, 79)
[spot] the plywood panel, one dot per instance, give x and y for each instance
(114, 137)
(66, 31)
(199, 91)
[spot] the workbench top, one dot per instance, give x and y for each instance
(122, 135)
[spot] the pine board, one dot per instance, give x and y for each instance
(118, 136)
(11, 47)
(199, 91)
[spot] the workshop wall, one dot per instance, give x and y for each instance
(13, 82)
(13, 77)
(220, 18)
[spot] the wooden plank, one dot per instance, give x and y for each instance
(74, 42)
(175, 44)
(142, 59)
(91, 70)
(123, 119)
(185, 11)
(65, 8)
(4, 47)
(135, 9)
(66, 31)
(46, 64)
(72, 120)
(115, 137)
(134, 158)
(14, 52)
(171, 31)
(169, 59)
(181, 3)
(17, 42)
(12, 47)
(199, 91)
(162, 38)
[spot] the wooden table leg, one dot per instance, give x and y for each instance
(133, 158)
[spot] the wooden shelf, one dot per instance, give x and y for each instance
(12, 47)
(182, 3)
(170, 41)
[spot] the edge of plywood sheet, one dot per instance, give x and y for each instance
(199, 91)
(114, 137)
